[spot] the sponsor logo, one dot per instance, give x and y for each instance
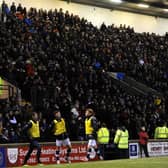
(158, 148)
(133, 150)
(12, 154)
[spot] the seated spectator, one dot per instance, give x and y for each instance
(4, 137)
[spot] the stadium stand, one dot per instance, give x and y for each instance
(59, 59)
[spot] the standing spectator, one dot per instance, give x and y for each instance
(73, 125)
(143, 141)
(81, 128)
(29, 68)
(43, 128)
(19, 8)
(5, 11)
(13, 7)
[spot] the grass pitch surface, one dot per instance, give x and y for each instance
(161, 162)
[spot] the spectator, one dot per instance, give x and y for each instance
(13, 137)
(19, 8)
(13, 7)
(143, 140)
(4, 138)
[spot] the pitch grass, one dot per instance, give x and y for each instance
(161, 162)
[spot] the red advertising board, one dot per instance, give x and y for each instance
(15, 156)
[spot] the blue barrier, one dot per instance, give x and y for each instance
(2, 157)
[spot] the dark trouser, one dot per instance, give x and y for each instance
(33, 145)
(57, 153)
(123, 153)
(144, 148)
(101, 149)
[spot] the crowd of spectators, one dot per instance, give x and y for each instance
(58, 52)
(13, 116)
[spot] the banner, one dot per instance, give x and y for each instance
(2, 158)
(158, 148)
(133, 150)
(78, 154)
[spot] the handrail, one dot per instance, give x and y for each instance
(12, 88)
(14, 84)
(3, 85)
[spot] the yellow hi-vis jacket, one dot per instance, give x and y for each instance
(161, 133)
(59, 127)
(88, 126)
(121, 139)
(103, 135)
(34, 131)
